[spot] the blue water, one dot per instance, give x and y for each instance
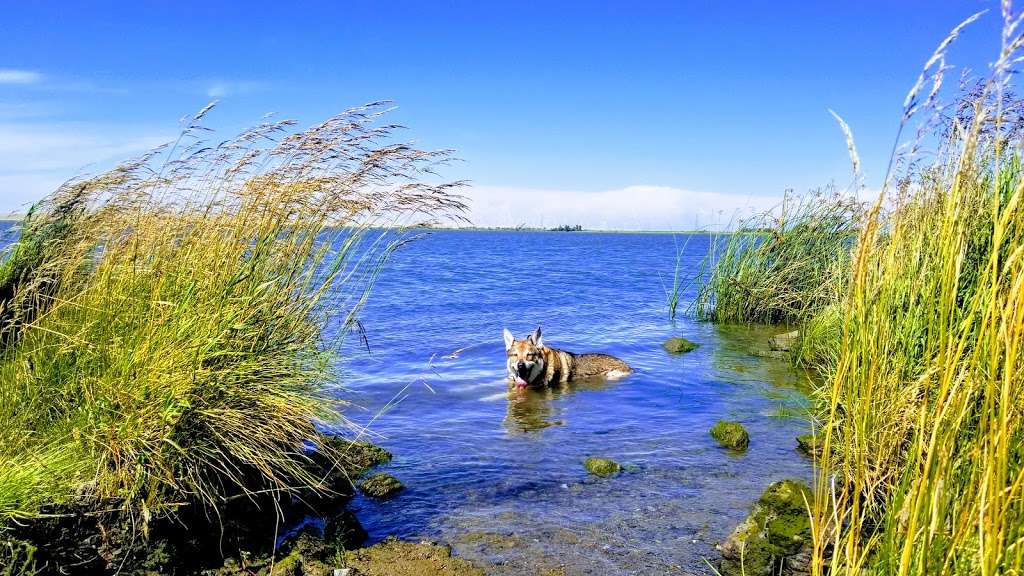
(499, 475)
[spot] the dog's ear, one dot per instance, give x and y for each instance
(509, 339)
(536, 338)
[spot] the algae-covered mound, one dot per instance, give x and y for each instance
(395, 558)
(355, 457)
(602, 467)
(732, 435)
(775, 537)
(807, 444)
(678, 346)
(381, 486)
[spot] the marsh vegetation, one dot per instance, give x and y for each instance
(169, 328)
(910, 308)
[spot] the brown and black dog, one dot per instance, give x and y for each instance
(532, 364)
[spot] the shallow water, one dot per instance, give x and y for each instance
(499, 476)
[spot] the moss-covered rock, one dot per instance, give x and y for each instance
(355, 457)
(784, 342)
(395, 558)
(775, 537)
(381, 486)
(602, 467)
(678, 346)
(807, 444)
(732, 435)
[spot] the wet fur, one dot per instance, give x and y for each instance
(550, 366)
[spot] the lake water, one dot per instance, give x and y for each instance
(499, 476)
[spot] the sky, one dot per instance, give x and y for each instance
(629, 115)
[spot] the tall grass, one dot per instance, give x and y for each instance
(174, 350)
(922, 470)
(783, 266)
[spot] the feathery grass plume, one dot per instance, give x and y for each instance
(922, 470)
(782, 266)
(181, 347)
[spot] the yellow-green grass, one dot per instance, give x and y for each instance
(918, 327)
(923, 426)
(922, 429)
(171, 342)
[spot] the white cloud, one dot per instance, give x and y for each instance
(222, 88)
(630, 208)
(35, 158)
(12, 76)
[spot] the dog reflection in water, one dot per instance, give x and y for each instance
(533, 410)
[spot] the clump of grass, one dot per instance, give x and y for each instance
(179, 348)
(45, 228)
(783, 266)
(923, 432)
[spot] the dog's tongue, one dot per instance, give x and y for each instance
(520, 383)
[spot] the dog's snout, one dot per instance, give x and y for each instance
(521, 365)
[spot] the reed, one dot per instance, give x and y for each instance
(176, 336)
(783, 266)
(922, 429)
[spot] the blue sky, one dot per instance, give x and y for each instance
(621, 115)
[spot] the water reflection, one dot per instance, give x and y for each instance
(532, 410)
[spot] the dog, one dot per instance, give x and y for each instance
(532, 364)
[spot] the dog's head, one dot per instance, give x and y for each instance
(525, 358)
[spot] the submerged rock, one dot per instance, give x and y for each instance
(381, 486)
(732, 435)
(776, 536)
(776, 354)
(396, 558)
(784, 342)
(678, 345)
(602, 467)
(807, 444)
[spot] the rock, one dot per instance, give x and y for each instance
(806, 444)
(343, 531)
(354, 457)
(776, 536)
(678, 346)
(381, 486)
(732, 435)
(784, 342)
(602, 467)
(776, 354)
(395, 558)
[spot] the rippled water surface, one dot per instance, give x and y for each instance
(500, 476)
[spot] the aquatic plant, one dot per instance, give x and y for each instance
(782, 266)
(920, 470)
(177, 350)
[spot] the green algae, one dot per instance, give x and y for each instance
(602, 467)
(732, 435)
(774, 536)
(808, 445)
(678, 345)
(396, 558)
(381, 486)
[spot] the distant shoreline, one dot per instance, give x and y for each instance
(582, 231)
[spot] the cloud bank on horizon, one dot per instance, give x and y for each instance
(639, 207)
